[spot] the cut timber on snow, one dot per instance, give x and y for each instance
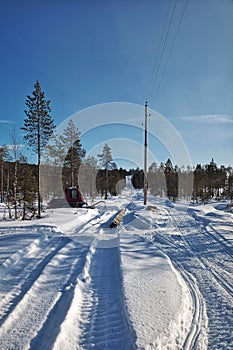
(118, 219)
(152, 208)
(92, 206)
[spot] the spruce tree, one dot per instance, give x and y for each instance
(38, 127)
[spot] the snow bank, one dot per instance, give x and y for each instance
(158, 300)
(68, 281)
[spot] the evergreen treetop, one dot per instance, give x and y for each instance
(38, 124)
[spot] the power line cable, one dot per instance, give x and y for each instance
(170, 51)
(163, 48)
(156, 52)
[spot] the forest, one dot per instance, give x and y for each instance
(19, 182)
(62, 163)
(199, 184)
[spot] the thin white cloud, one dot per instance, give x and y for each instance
(5, 121)
(213, 119)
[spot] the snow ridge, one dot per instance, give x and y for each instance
(97, 316)
(204, 258)
(31, 311)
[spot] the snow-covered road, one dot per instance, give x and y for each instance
(160, 280)
(199, 243)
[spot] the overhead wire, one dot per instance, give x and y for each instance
(162, 45)
(170, 51)
(157, 51)
(159, 59)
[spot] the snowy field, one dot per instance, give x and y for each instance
(160, 280)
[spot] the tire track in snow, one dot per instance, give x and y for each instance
(199, 319)
(198, 323)
(220, 277)
(22, 269)
(205, 256)
(214, 282)
(59, 311)
(10, 237)
(44, 290)
(218, 244)
(106, 326)
(211, 233)
(97, 317)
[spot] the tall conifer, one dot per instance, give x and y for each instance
(106, 162)
(38, 127)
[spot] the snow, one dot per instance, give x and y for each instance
(162, 279)
(151, 281)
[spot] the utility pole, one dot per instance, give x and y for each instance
(145, 154)
(2, 173)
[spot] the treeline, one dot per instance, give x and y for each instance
(92, 180)
(18, 188)
(71, 168)
(19, 180)
(62, 162)
(201, 184)
(19, 184)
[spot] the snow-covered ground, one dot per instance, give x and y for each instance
(162, 279)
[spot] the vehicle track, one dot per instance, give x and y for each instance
(43, 273)
(207, 257)
(212, 261)
(31, 308)
(97, 317)
(196, 334)
(24, 276)
(106, 326)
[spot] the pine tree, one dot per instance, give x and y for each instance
(171, 180)
(211, 170)
(38, 127)
(87, 177)
(62, 159)
(106, 162)
(138, 178)
(69, 146)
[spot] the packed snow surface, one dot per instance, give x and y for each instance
(162, 279)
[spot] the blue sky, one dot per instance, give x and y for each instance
(90, 52)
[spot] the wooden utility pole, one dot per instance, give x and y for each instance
(145, 154)
(2, 186)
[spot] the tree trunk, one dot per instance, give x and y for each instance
(8, 202)
(38, 172)
(24, 210)
(106, 184)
